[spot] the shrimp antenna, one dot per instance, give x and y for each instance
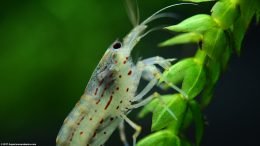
(161, 15)
(152, 30)
(165, 15)
(132, 10)
(154, 15)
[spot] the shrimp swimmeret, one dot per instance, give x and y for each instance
(111, 93)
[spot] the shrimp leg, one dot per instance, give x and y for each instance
(151, 73)
(151, 70)
(164, 63)
(122, 133)
(133, 125)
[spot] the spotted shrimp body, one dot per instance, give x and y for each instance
(111, 93)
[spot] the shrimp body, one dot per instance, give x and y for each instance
(111, 93)
(108, 94)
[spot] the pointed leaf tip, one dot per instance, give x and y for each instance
(197, 23)
(194, 80)
(161, 116)
(182, 39)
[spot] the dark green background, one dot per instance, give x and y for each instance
(49, 48)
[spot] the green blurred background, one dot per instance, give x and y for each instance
(48, 50)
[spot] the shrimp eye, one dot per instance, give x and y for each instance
(117, 45)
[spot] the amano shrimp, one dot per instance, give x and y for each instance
(111, 92)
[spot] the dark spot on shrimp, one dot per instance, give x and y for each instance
(80, 120)
(101, 82)
(71, 136)
(130, 72)
(111, 119)
(98, 101)
(101, 121)
(108, 103)
(127, 89)
(96, 91)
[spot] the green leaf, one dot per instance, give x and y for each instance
(214, 42)
(239, 31)
(225, 13)
(191, 72)
(161, 116)
(198, 120)
(175, 74)
(248, 9)
(150, 107)
(213, 71)
(225, 57)
(161, 138)
(200, 56)
(197, 23)
(194, 80)
(187, 119)
(182, 39)
(207, 95)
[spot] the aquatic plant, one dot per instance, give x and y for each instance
(218, 36)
